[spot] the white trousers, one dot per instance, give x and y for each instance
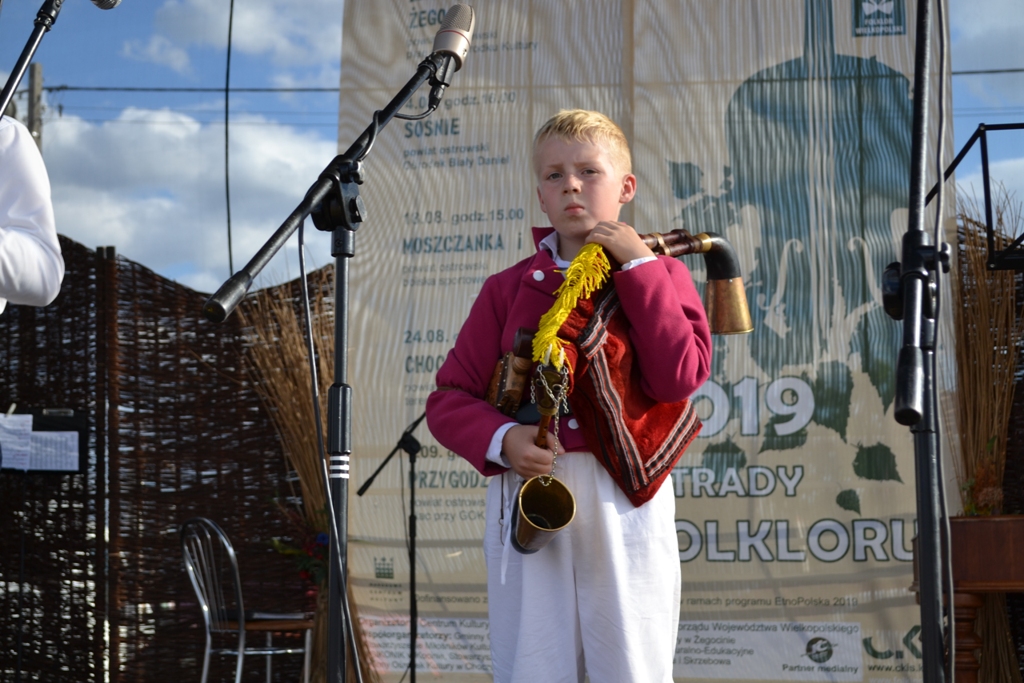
(600, 599)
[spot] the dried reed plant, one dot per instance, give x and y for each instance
(998, 652)
(988, 337)
(279, 365)
(988, 340)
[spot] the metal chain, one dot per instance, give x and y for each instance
(560, 398)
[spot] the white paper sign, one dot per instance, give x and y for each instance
(15, 441)
(54, 451)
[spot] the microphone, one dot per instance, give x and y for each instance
(106, 4)
(451, 45)
(455, 34)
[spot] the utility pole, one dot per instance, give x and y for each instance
(35, 103)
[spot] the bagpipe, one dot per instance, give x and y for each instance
(581, 355)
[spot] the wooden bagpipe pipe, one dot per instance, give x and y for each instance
(545, 505)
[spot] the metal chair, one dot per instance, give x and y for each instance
(213, 569)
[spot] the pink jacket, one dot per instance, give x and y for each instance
(669, 334)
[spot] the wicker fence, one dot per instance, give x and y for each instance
(92, 585)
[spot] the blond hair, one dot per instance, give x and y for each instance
(580, 125)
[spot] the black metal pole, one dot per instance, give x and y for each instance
(339, 450)
(914, 401)
(21, 586)
(987, 185)
(45, 19)
(413, 611)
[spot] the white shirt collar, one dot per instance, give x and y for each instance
(550, 245)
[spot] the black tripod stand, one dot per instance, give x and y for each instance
(410, 445)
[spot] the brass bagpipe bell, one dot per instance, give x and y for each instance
(725, 300)
(544, 505)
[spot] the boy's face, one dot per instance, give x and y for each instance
(578, 187)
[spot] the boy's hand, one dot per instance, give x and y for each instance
(527, 459)
(620, 240)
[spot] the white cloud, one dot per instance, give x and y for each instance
(322, 76)
(156, 192)
(1008, 173)
(290, 33)
(991, 27)
(988, 36)
(159, 50)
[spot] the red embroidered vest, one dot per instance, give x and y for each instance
(637, 439)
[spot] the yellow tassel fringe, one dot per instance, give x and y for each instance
(586, 274)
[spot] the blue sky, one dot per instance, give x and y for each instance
(144, 172)
(987, 36)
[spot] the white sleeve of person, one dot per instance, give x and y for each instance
(31, 266)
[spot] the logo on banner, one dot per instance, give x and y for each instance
(879, 18)
(384, 567)
(819, 650)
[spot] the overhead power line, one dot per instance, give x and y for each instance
(70, 88)
(79, 88)
(244, 124)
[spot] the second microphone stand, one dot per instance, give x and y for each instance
(410, 445)
(913, 298)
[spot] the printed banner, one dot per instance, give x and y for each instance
(784, 127)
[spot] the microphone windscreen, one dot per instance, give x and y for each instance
(106, 4)
(459, 17)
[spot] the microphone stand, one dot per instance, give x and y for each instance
(45, 19)
(410, 445)
(336, 207)
(911, 297)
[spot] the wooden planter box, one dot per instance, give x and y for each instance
(988, 557)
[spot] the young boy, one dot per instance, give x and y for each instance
(602, 597)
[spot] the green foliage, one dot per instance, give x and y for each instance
(307, 545)
(311, 559)
(720, 457)
(774, 442)
(832, 393)
(877, 463)
(849, 500)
